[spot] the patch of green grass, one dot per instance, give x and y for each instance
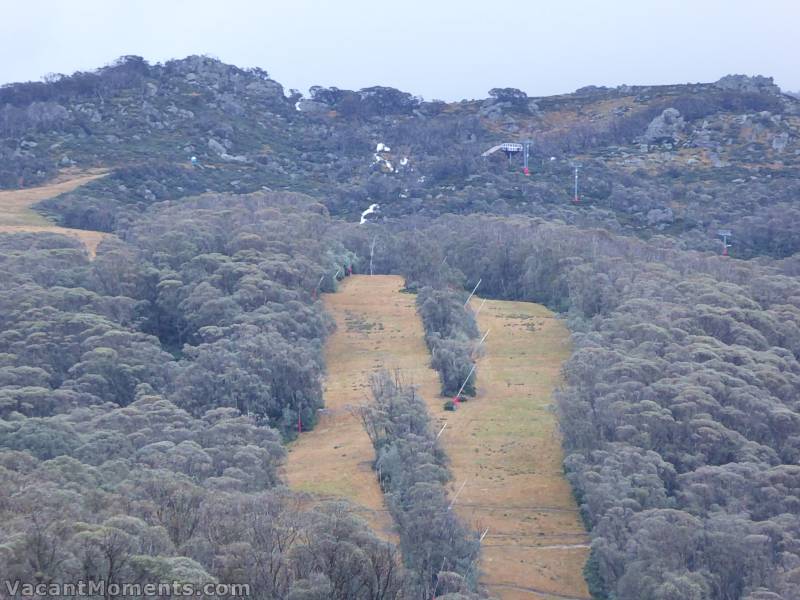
(326, 488)
(355, 322)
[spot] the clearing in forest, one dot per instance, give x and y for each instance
(376, 328)
(16, 215)
(504, 443)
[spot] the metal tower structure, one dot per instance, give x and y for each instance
(513, 148)
(525, 156)
(576, 197)
(725, 234)
(508, 147)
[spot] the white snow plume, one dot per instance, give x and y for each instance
(372, 209)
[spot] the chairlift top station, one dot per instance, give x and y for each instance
(525, 147)
(512, 148)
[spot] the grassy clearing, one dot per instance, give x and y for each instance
(17, 216)
(506, 446)
(376, 328)
(504, 443)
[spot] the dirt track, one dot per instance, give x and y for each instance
(503, 444)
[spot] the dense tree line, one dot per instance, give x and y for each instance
(412, 470)
(450, 332)
(149, 493)
(227, 286)
(233, 287)
(64, 343)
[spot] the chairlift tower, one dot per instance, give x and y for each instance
(725, 234)
(576, 197)
(525, 156)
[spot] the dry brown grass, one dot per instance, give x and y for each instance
(377, 328)
(90, 239)
(504, 443)
(16, 215)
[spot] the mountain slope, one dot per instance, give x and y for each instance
(680, 160)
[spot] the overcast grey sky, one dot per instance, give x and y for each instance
(445, 49)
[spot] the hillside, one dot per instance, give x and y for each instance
(682, 160)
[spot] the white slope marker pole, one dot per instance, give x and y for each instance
(372, 252)
(480, 307)
(478, 345)
(457, 494)
(474, 562)
(441, 431)
(463, 385)
(319, 283)
(473, 292)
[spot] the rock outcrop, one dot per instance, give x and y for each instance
(665, 127)
(748, 84)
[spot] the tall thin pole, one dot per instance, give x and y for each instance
(319, 283)
(478, 345)
(480, 307)
(463, 385)
(472, 293)
(475, 561)
(453, 501)
(526, 154)
(371, 252)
